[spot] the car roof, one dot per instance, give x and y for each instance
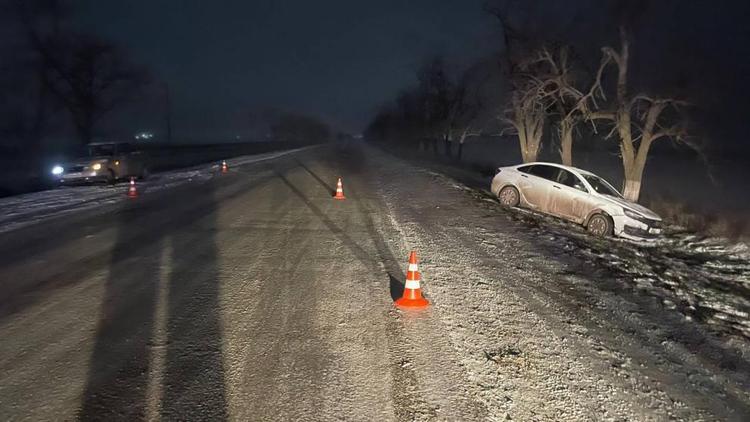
(570, 168)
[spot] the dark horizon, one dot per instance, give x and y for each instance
(337, 61)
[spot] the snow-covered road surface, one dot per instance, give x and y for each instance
(17, 211)
(255, 296)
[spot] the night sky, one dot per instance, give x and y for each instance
(339, 59)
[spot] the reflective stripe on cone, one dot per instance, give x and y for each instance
(412, 297)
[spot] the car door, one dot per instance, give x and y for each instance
(569, 197)
(535, 184)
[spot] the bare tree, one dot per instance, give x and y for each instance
(639, 120)
(89, 76)
(533, 85)
(27, 104)
(435, 91)
(526, 114)
(572, 105)
(470, 109)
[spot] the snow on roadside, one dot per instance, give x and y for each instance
(706, 279)
(538, 337)
(22, 210)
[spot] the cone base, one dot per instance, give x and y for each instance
(339, 197)
(406, 302)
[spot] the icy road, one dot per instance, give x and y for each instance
(254, 296)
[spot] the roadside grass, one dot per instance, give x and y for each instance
(733, 226)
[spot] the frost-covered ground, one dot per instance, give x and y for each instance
(706, 279)
(530, 320)
(552, 324)
(21, 210)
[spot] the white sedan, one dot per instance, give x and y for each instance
(575, 195)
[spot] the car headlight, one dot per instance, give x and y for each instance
(57, 170)
(97, 166)
(633, 215)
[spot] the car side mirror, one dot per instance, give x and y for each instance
(580, 187)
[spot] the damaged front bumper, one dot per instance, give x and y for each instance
(633, 229)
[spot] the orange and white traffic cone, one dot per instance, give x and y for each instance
(224, 167)
(132, 191)
(412, 297)
(339, 190)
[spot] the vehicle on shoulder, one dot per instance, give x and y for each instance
(575, 195)
(103, 162)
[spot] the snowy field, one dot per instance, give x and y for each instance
(22, 210)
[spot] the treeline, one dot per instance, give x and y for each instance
(63, 87)
(448, 105)
(56, 77)
(538, 89)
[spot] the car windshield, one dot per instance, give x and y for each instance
(601, 186)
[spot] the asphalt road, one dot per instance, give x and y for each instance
(253, 296)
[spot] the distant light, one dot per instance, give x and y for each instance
(97, 166)
(57, 170)
(144, 135)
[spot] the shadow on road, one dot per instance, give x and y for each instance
(351, 160)
(157, 351)
(396, 287)
(330, 189)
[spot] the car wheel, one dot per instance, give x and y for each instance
(600, 225)
(111, 177)
(509, 196)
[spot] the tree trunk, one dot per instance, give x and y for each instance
(447, 142)
(530, 144)
(632, 188)
(633, 178)
(531, 152)
(434, 146)
(566, 143)
(460, 150)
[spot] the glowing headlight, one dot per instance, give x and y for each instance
(97, 166)
(57, 170)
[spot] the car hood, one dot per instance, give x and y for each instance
(632, 206)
